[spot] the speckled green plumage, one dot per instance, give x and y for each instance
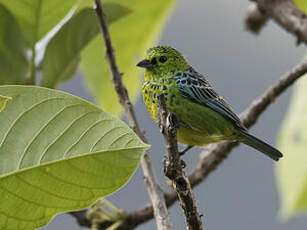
(201, 131)
(205, 117)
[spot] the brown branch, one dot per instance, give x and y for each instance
(173, 167)
(150, 181)
(255, 19)
(286, 14)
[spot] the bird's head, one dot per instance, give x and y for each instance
(163, 62)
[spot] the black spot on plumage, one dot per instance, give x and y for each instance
(185, 94)
(195, 93)
(184, 74)
(164, 87)
(155, 95)
(208, 95)
(192, 76)
(194, 82)
(183, 81)
(212, 93)
(154, 61)
(202, 81)
(146, 91)
(189, 81)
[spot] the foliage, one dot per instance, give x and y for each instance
(62, 54)
(292, 170)
(37, 17)
(58, 153)
(13, 62)
(302, 4)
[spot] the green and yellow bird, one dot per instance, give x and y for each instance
(205, 117)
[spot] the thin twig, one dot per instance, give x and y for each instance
(155, 192)
(211, 159)
(173, 167)
(286, 14)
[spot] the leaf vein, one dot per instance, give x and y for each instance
(23, 113)
(83, 134)
(40, 131)
(64, 131)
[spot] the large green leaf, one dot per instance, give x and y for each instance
(302, 4)
(130, 37)
(38, 17)
(58, 153)
(63, 51)
(13, 62)
(292, 169)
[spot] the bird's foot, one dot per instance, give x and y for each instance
(166, 163)
(183, 164)
(185, 150)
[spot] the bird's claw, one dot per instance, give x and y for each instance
(183, 164)
(181, 153)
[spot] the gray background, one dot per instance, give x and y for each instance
(242, 193)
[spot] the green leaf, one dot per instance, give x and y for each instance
(130, 37)
(3, 101)
(302, 4)
(292, 169)
(58, 153)
(38, 17)
(13, 62)
(63, 51)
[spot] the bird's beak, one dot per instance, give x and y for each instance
(144, 64)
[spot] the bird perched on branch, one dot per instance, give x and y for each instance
(204, 116)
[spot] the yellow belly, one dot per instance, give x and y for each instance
(191, 137)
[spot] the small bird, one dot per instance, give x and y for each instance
(204, 116)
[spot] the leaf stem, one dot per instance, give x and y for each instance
(32, 73)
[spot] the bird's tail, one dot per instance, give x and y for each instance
(260, 145)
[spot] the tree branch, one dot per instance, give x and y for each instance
(286, 14)
(173, 167)
(155, 192)
(255, 19)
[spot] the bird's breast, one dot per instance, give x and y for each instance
(151, 90)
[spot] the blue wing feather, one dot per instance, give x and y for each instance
(195, 87)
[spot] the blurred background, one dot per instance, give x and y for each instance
(241, 193)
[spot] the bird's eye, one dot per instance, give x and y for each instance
(154, 61)
(162, 59)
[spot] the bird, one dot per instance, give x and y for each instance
(204, 116)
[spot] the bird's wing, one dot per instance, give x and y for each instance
(196, 88)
